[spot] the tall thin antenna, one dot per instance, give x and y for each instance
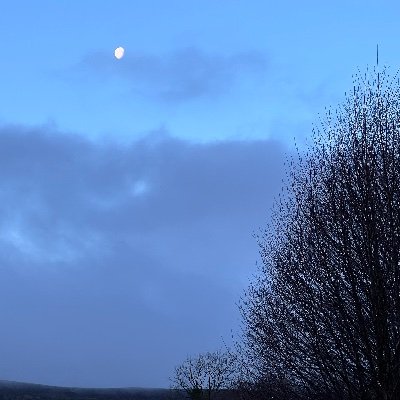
(377, 55)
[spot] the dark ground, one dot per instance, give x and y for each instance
(27, 391)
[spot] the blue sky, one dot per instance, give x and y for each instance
(131, 188)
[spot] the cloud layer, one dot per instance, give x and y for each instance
(116, 258)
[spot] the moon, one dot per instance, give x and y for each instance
(119, 53)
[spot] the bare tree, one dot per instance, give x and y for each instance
(206, 375)
(324, 312)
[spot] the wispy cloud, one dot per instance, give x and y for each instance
(182, 75)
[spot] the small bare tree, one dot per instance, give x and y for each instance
(205, 376)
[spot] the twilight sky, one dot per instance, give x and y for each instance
(130, 189)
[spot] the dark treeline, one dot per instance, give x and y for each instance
(321, 321)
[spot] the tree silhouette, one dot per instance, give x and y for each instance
(324, 312)
(206, 375)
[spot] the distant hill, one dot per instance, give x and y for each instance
(10, 390)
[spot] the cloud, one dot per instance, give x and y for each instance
(104, 247)
(182, 75)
